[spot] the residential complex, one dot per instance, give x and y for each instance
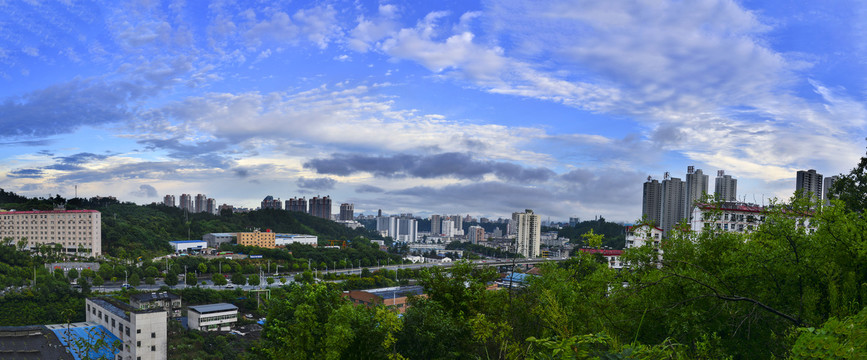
(695, 186)
(809, 183)
(727, 216)
(476, 234)
(667, 203)
(347, 212)
(76, 231)
(725, 187)
(320, 207)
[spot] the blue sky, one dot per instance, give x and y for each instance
(479, 108)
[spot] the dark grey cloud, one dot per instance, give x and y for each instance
(143, 170)
(324, 183)
(45, 152)
(604, 186)
(494, 196)
(63, 108)
(28, 143)
(31, 187)
(26, 174)
(459, 165)
(206, 153)
(73, 162)
(145, 191)
(369, 189)
(241, 172)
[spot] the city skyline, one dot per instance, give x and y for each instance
(480, 108)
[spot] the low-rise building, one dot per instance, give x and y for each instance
(143, 333)
(612, 257)
(212, 317)
(167, 301)
(392, 297)
(286, 239)
(261, 239)
(214, 240)
(188, 245)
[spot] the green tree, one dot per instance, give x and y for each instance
(219, 279)
(98, 280)
(72, 274)
(239, 279)
(171, 278)
(203, 268)
(152, 271)
(270, 280)
(190, 279)
(150, 280)
(254, 280)
(134, 280)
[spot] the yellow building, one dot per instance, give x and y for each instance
(258, 238)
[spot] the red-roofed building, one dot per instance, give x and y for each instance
(611, 256)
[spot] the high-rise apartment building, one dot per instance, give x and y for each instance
(651, 205)
(447, 227)
(77, 231)
(828, 182)
(321, 207)
(407, 229)
(672, 202)
(725, 187)
(271, 203)
(458, 222)
(696, 187)
(347, 211)
(436, 225)
(211, 206)
(809, 183)
(169, 200)
(476, 234)
(528, 236)
(201, 203)
(187, 203)
(296, 204)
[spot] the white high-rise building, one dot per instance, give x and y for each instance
(476, 234)
(528, 231)
(447, 228)
(696, 187)
(725, 187)
(407, 229)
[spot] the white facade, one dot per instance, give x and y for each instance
(730, 216)
(215, 239)
(74, 230)
(528, 233)
(187, 245)
(286, 239)
(212, 317)
(143, 332)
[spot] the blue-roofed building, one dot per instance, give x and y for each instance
(515, 279)
(87, 340)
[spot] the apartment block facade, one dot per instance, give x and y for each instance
(77, 231)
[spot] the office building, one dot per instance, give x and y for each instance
(809, 183)
(321, 207)
(725, 187)
(186, 203)
(528, 233)
(271, 203)
(169, 200)
(265, 239)
(286, 239)
(212, 317)
(436, 225)
(76, 231)
(476, 234)
(696, 187)
(672, 202)
(347, 211)
(296, 204)
(651, 205)
(188, 245)
(826, 186)
(143, 333)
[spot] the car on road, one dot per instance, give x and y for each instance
(230, 286)
(127, 286)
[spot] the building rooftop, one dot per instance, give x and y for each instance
(120, 309)
(186, 241)
(397, 292)
(30, 342)
(79, 334)
(210, 308)
(223, 234)
(605, 252)
(154, 296)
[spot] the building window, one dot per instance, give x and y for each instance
(138, 343)
(138, 331)
(153, 335)
(154, 348)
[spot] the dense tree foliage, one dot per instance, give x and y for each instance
(614, 235)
